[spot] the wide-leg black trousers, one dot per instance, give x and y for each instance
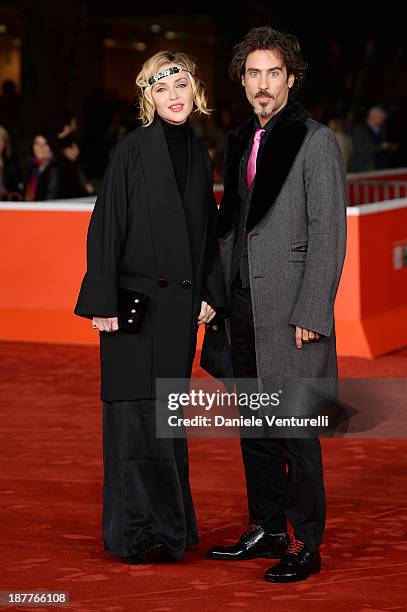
(284, 477)
(146, 492)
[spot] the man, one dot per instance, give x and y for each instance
(282, 228)
(371, 149)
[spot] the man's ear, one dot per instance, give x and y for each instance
(291, 80)
(243, 83)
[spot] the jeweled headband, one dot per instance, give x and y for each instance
(164, 73)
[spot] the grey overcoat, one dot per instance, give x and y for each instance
(296, 232)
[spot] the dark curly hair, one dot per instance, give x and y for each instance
(266, 37)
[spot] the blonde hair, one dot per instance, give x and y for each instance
(6, 137)
(154, 65)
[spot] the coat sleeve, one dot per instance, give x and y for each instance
(325, 184)
(53, 182)
(105, 239)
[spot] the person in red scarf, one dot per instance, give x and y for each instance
(41, 176)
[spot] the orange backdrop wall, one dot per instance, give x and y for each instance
(42, 261)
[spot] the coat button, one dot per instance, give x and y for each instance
(162, 282)
(186, 284)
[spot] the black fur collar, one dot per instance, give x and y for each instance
(278, 155)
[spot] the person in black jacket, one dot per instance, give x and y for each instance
(10, 172)
(151, 232)
(40, 181)
(372, 149)
(70, 179)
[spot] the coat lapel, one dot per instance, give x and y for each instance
(278, 155)
(198, 191)
(197, 182)
(167, 215)
(236, 145)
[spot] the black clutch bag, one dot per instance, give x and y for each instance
(216, 355)
(132, 306)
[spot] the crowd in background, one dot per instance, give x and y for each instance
(52, 167)
(62, 156)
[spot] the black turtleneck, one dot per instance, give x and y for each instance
(177, 140)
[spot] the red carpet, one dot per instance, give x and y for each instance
(51, 475)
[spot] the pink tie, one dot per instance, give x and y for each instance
(251, 166)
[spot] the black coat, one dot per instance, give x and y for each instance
(138, 238)
(11, 177)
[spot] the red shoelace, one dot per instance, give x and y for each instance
(295, 546)
(250, 528)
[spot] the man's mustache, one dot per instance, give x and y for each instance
(263, 94)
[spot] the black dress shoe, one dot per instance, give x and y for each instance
(255, 542)
(297, 564)
(151, 553)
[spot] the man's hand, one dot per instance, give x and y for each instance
(305, 336)
(207, 313)
(106, 325)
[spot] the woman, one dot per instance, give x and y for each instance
(151, 232)
(10, 175)
(41, 175)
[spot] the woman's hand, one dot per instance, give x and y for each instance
(106, 325)
(207, 313)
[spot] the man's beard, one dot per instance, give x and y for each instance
(263, 111)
